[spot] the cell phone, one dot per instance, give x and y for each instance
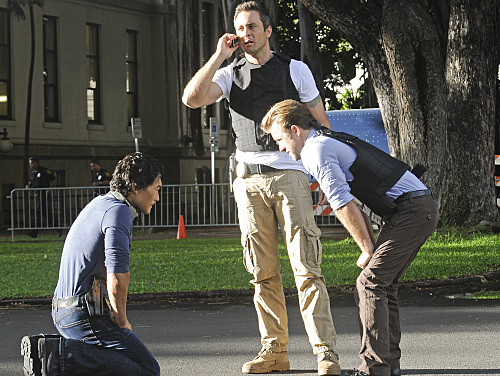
(234, 43)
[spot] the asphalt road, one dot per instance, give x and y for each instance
(441, 336)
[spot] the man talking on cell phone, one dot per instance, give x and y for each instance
(270, 188)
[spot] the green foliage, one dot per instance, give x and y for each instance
(350, 100)
(338, 59)
(31, 269)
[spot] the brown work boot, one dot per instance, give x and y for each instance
(328, 363)
(269, 359)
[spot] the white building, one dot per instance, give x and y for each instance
(99, 63)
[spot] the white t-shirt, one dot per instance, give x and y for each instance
(303, 80)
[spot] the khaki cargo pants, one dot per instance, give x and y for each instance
(283, 197)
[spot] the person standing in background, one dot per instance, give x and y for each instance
(41, 177)
(100, 176)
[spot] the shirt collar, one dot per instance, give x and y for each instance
(123, 199)
(312, 133)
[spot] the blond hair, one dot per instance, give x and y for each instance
(287, 113)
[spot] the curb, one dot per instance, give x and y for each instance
(493, 276)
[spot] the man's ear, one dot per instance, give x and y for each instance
(295, 129)
(269, 31)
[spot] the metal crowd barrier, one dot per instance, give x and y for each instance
(199, 204)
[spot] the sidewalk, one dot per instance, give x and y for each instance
(327, 233)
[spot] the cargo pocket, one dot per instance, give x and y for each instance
(311, 250)
(249, 256)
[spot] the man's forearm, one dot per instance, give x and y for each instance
(117, 286)
(196, 91)
(354, 222)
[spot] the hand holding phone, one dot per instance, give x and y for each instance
(234, 43)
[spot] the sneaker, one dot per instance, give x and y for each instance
(328, 363)
(29, 350)
(267, 360)
(48, 351)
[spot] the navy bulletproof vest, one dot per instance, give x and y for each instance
(374, 171)
(255, 89)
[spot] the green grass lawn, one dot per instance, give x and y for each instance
(31, 269)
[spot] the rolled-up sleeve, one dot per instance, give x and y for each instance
(224, 78)
(321, 160)
(117, 229)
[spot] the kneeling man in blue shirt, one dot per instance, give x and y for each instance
(89, 304)
(347, 167)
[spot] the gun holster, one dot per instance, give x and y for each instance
(95, 299)
(418, 170)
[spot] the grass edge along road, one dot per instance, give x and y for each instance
(31, 269)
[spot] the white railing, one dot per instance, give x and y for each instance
(199, 204)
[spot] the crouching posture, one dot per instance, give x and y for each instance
(89, 304)
(347, 167)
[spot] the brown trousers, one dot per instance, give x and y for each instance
(400, 239)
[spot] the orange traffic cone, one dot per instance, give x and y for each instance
(181, 230)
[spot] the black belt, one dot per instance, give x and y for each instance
(410, 195)
(72, 301)
(259, 168)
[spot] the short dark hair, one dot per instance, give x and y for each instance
(95, 161)
(247, 6)
(135, 171)
(287, 113)
(33, 159)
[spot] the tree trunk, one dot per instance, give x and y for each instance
(309, 51)
(386, 37)
(471, 70)
(188, 63)
(415, 57)
(271, 8)
(404, 49)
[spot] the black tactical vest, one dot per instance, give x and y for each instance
(374, 171)
(255, 89)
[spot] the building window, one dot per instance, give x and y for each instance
(50, 77)
(93, 77)
(5, 78)
(132, 86)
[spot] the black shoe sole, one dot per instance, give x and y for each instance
(29, 350)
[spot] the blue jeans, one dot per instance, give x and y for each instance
(96, 346)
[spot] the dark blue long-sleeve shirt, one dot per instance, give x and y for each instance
(98, 243)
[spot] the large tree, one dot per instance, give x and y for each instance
(434, 67)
